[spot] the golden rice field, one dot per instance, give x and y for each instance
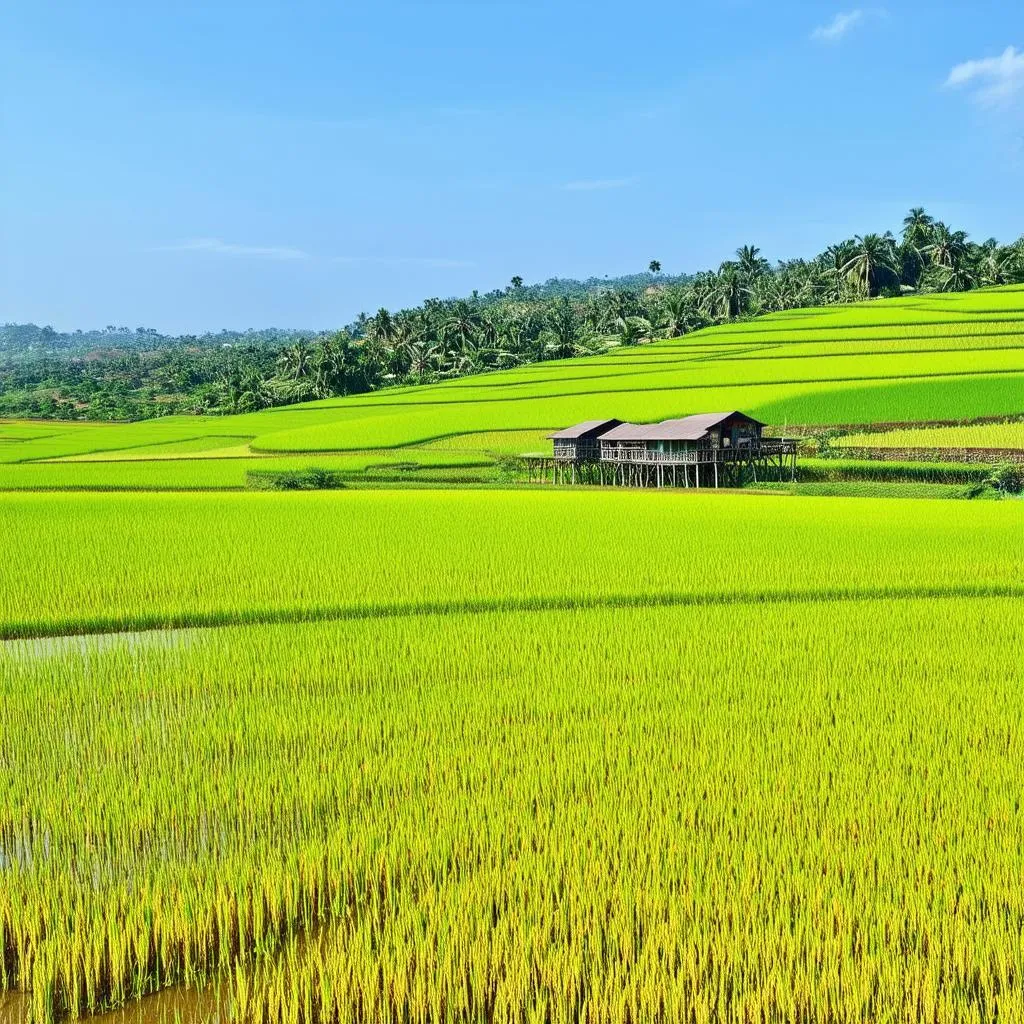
(736, 758)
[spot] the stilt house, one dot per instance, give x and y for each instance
(730, 448)
(579, 443)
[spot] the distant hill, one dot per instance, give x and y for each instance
(35, 341)
(32, 340)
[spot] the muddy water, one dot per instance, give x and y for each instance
(209, 1004)
(205, 1003)
(13, 1008)
(184, 1004)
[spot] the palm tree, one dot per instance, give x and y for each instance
(381, 327)
(960, 277)
(677, 313)
(873, 259)
(730, 291)
(995, 265)
(752, 264)
(917, 228)
(632, 328)
(517, 282)
(832, 262)
(947, 248)
(295, 360)
(425, 358)
(654, 267)
(563, 326)
(461, 326)
(616, 305)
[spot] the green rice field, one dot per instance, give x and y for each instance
(694, 768)
(1008, 435)
(918, 359)
(508, 754)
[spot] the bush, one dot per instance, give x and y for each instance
(312, 479)
(1008, 478)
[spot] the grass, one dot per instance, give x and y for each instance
(881, 488)
(215, 474)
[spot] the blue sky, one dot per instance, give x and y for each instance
(192, 166)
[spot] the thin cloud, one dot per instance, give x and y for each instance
(838, 27)
(222, 248)
(994, 80)
(596, 184)
(414, 261)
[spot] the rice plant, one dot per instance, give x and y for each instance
(715, 812)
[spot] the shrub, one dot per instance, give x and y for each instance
(312, 479)
(1008, 478)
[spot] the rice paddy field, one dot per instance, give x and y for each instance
(522, 754)
(927, 358)
(1007, 435)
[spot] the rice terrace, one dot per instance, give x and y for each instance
(643, 645)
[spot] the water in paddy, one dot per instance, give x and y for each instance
(89, 643)
(208, 1004)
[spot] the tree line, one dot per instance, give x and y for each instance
(446, 338)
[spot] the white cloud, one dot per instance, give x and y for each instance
(417, 261)
(596, 184)
(995, 80)
(215, 245)
(838, 26)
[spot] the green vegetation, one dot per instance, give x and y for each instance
(388, 750)
(937, 357)
(118, 374)
(241, 558)
(849, 470)
(718, 763)
(978, 435)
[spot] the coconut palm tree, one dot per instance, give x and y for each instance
(917, 228)
(294, 361)
(677, 313)
(995, 265)
(563, 325)
(632, 328)
(730, 291)
(654, 267)
(461, 325)
(960, 277)
(947, 248)
(381, 327)
(873, 260)
(751, 263)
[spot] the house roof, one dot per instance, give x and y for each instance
(626, 432)
(584, 429)
(686, 428)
